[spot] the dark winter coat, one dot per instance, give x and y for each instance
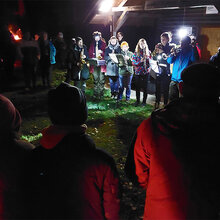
(13, 155)
(13, 158)
(74, 63)
(164, 66)
(215, 60)
(29, 51)
(175, 158)
(71, 179)
(48, 52)
(112, 67)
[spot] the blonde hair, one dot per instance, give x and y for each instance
(138, 49)
(124, 43)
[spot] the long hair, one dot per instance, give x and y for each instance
(138, 49)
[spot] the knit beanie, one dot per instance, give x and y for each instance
(201, 81)
(67, 105)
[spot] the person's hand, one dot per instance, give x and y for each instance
(127, 57)
(142, 59)
(100, 51)
(160, 51)
(78, 64)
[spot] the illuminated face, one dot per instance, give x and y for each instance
(113, 41)
(142, 44)
(124, 48)
(36, 37)
(80, 43)
(164, 40)
(119, 36)
(97, 38)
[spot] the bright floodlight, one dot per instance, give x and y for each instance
(106, 5)
(182, 33)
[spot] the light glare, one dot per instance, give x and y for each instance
(106, 5)
(182, 33)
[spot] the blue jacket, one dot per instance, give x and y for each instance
(183, 59)
(52, 53)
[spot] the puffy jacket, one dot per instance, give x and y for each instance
(170, 158)
(71, 179)
(112, 68)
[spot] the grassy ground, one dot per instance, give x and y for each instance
(111, 126)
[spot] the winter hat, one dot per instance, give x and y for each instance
(10, 119)
(201, 81)
(67, 105)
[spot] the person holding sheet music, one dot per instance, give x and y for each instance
(126, 71)
(112, 67)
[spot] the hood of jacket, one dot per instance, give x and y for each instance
(185, 115)
(55, 133)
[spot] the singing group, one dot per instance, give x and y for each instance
(163, 66)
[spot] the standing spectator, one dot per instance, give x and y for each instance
(194, 43)
(97, 50)
(70, 178)
(48, 53)
(162, 50)
(175, 153)
(112, 67)
(182, 58)
(60, 46)
(215, 59)
(30, 54)
(77, 68)
(36, 37)
(141, 66)
(126, 72)
(13, 153)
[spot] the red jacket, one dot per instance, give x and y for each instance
(102, 46)
(175, 157)
(71, 179)
(160, 173)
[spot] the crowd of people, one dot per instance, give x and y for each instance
(113, 60)
(174, 154)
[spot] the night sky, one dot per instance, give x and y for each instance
(68, 16)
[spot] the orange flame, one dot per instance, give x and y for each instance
(15, 31)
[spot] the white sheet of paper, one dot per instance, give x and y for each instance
(113, 57)
(154, 66)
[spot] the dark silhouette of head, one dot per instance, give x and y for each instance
(67, 105)
(201, 82)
